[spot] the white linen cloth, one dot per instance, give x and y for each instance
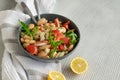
(15, 64)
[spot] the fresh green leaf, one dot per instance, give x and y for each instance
(72, 35)
(53, 43)
(52, 52)
(25, 28)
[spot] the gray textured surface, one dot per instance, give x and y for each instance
(4, 5)
(99, 23)
(1, 52)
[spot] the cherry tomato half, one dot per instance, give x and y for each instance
(60, 47)
(66, 24)
(32, 49)
(66, 40)
(57, 22)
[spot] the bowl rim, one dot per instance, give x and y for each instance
(51, 59)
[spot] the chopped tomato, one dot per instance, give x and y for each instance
(66, 24)
(57, 22)
(66, 40)
(61, 35)
(61, 47)
(57, 38)
(32, 49)
(57, 34)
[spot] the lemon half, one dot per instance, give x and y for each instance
(55, 75)
(79, 65)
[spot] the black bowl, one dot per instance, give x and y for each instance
(51, 17)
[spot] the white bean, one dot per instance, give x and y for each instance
(26, 37)
(55, 55)
(42, 21)
(42, 36)
(70, 47)
(47, 57)
(47, 50)
(47, 33)
(42, 54)
(61, 54)
(62, 29)
(32, 41)
(27, 40)
(22, 40)
(25, 45)
(31, 26)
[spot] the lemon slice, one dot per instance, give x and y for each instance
(79, 65)
(55, 75)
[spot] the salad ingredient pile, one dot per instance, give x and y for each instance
(48, 39)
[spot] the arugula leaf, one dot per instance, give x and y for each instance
(52, 52)
(54, 44)
(72, 36)
(25, 28)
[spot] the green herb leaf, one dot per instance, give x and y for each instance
(72, 35)
(54, 44)
(25, 28)
(52, 52)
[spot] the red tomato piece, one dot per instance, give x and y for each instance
(66, 24)
(59, 36)
(56, 32)
(57, 22)
(66, 40)
(32, 49)
(60, 47)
